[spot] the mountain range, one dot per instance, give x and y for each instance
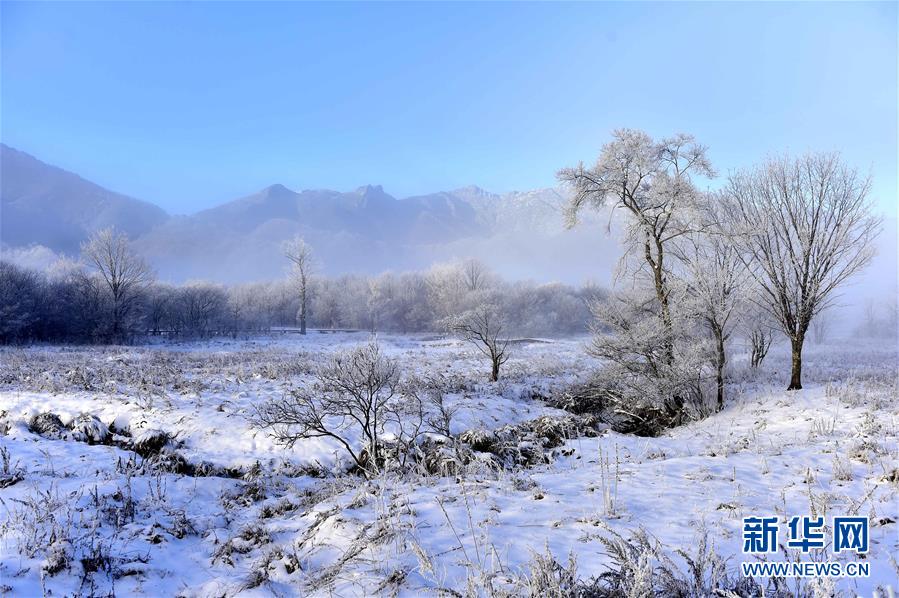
(47, 211)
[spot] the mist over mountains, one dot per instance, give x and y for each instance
(45, 205)
(521, 235)
(46, 211)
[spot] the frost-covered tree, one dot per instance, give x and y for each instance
(125, 274)
(476, 274)
(356, 398)
(447, 289)
(326, 303)
(413, 312)
(202, 308)
(299, 253)
(20, 291)
(717, 281)
(652, 181)
(482, 326)
(806, 225)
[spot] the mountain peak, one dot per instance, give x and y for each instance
(473, 191)
(370, 190)
(277, 189)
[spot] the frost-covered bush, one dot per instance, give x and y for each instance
(48, 425)
(651, 377)
(88, 428)
(531, 442)
(357, 397)
(150, 442)
(10, 473)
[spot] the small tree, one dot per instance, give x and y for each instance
(760, 335)
(476, 274)
(482, 327)
(357, 394)
(716, 281)
(821, 327)
(299, 253)
(124, 273)
(806, 224)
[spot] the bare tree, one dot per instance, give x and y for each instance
(716, 280)
(300, 255)
(201, 308)
(820, 327)
(357, 394)
(482, 327)
(476, 274)
(124, 272)
(652, 182)
(760, 327)
(806, 224)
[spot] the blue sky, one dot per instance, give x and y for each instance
(189, 105)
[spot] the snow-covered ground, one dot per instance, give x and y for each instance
(256, 518)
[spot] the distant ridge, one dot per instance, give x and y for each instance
(45, 205)
(366, 230)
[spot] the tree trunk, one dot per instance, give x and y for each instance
(661, 288)
(303, 312)
(796, 375)
(494, 372)
(721, 363)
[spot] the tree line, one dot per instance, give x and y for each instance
(110, 295)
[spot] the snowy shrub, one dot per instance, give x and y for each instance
(530, 442)
(546, 577)
(149, 442)
(357, 397)
(63, 531)
(891, 477)
(842, 469)
(88, 428)
(48, 425)
(479, 439)
(168, 461)
(652, 377)
(641, 567)
(10, 473)
(442, 459)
